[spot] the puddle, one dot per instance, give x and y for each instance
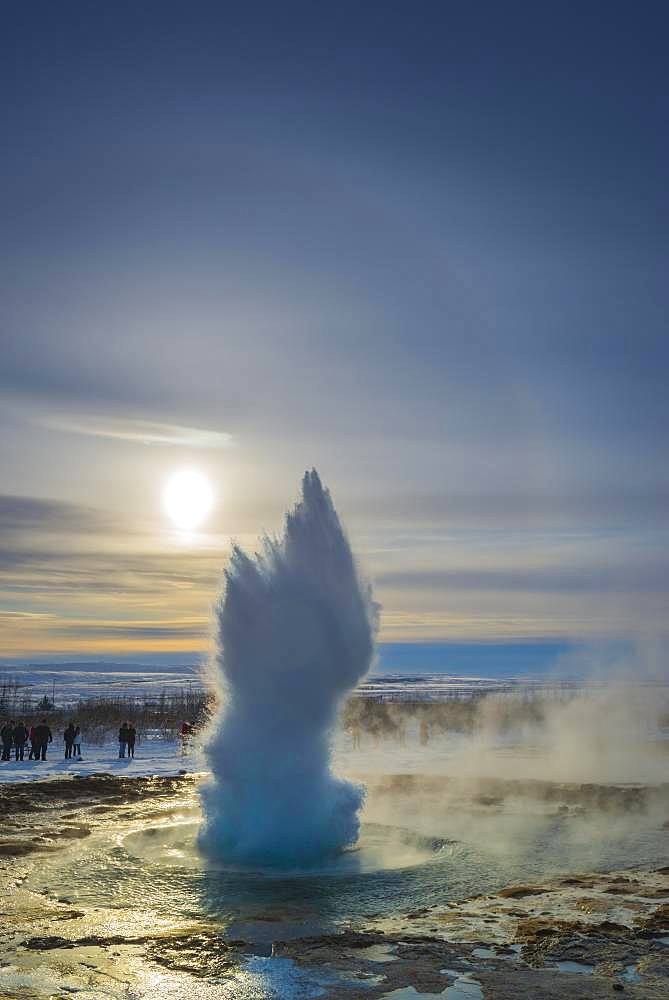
(410, 993)
(581, 967)
(377, 953)
(630, 974)
(484, 953)
(464, 988)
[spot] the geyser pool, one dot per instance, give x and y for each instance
(380, 848)
(295, 633)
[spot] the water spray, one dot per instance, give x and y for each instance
(295, 633)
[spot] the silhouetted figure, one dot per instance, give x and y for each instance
(76, 746)
(68, 736)
(7, 737)
(122, 739)
(20, 740)
(31, 737)
(132, 736)
(186, 730)
(42, 739)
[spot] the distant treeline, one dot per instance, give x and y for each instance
(376, 716)
(462, 714)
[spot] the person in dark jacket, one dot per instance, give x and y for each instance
(7, 737)
(68, 736)
(132, 736)
(42, 739)
(122, 739)
(31, 737)
(20, 740)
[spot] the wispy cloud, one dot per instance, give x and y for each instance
(20, 514)
(186, 628)
(647, 576)
(146, 432)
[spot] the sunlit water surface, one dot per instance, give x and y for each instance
(153, 862)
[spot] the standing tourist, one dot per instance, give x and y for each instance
(7, 735)
(68, 736)
(20, 740)
(77, 742)
(132, 736)
(122, 739)
(42, 739)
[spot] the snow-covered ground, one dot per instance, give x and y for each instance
(67, 683)
(151, 757)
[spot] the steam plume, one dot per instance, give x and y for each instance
(295, 633)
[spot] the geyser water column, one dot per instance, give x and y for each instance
(296, 632)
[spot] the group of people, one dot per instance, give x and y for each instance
(17, 736)
(127, 736)
(72, 737)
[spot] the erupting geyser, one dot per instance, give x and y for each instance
(295, 633)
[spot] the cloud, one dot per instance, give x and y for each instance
(25, 513)
(42, 570)
(50, 547)
(649, 577)
(10, 618)
(523, 510)
(146, 432)
(187, 628)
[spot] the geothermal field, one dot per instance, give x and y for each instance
(420, 837)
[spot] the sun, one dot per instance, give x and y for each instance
(188, 498)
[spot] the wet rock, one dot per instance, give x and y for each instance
(593, 904)
(332, 945)
(655, 924)
(48, 943)
(520, 891)
(204, 955)
(531, 928)
(581, 881)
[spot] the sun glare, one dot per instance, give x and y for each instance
(188, 498)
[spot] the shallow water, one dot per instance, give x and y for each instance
(152, 860)
(138, 874)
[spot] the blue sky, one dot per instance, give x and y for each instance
(422, 247)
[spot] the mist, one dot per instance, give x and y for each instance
(574, 772)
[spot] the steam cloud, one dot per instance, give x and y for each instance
(295, 633)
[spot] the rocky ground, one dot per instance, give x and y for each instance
(580, 936)
(588, 935)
